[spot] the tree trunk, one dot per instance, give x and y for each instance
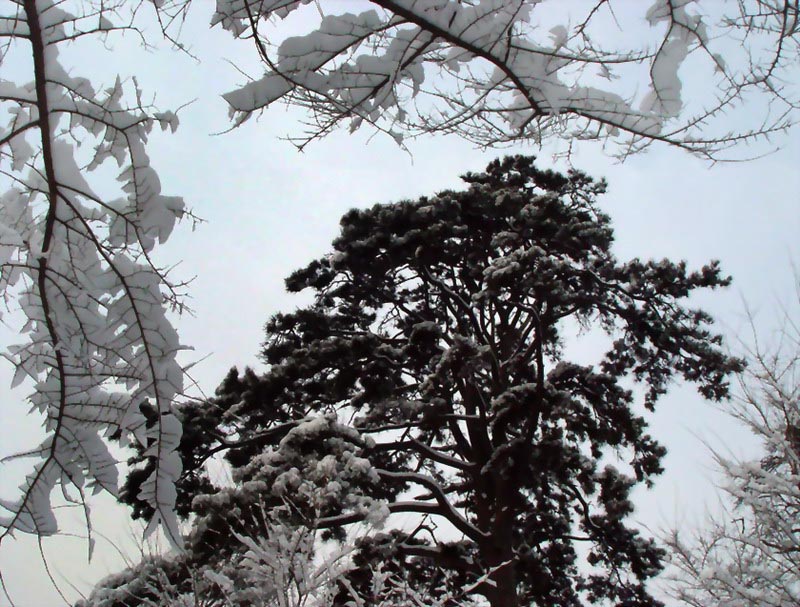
(504, 592)
(499, 551)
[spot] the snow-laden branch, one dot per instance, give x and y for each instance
(97, 339)
(490, 71)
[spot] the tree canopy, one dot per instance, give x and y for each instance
(435, 374)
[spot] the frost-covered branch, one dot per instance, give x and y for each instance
(98, 341)
(283, 566)
(497, 71)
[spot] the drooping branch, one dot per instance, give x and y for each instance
(99, 342)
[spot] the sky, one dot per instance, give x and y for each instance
(269, 209)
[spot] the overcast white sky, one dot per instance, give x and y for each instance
(270, 209)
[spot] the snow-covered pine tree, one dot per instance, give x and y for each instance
(429, 382)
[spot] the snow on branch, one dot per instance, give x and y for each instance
(498, 71)
(98, 343)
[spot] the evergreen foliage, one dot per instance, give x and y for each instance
(431, 375)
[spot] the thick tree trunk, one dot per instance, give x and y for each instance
(504, 592)
(498, 550)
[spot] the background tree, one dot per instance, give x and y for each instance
(750, 554)
(431, 376)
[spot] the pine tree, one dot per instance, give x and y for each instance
(431, 376)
